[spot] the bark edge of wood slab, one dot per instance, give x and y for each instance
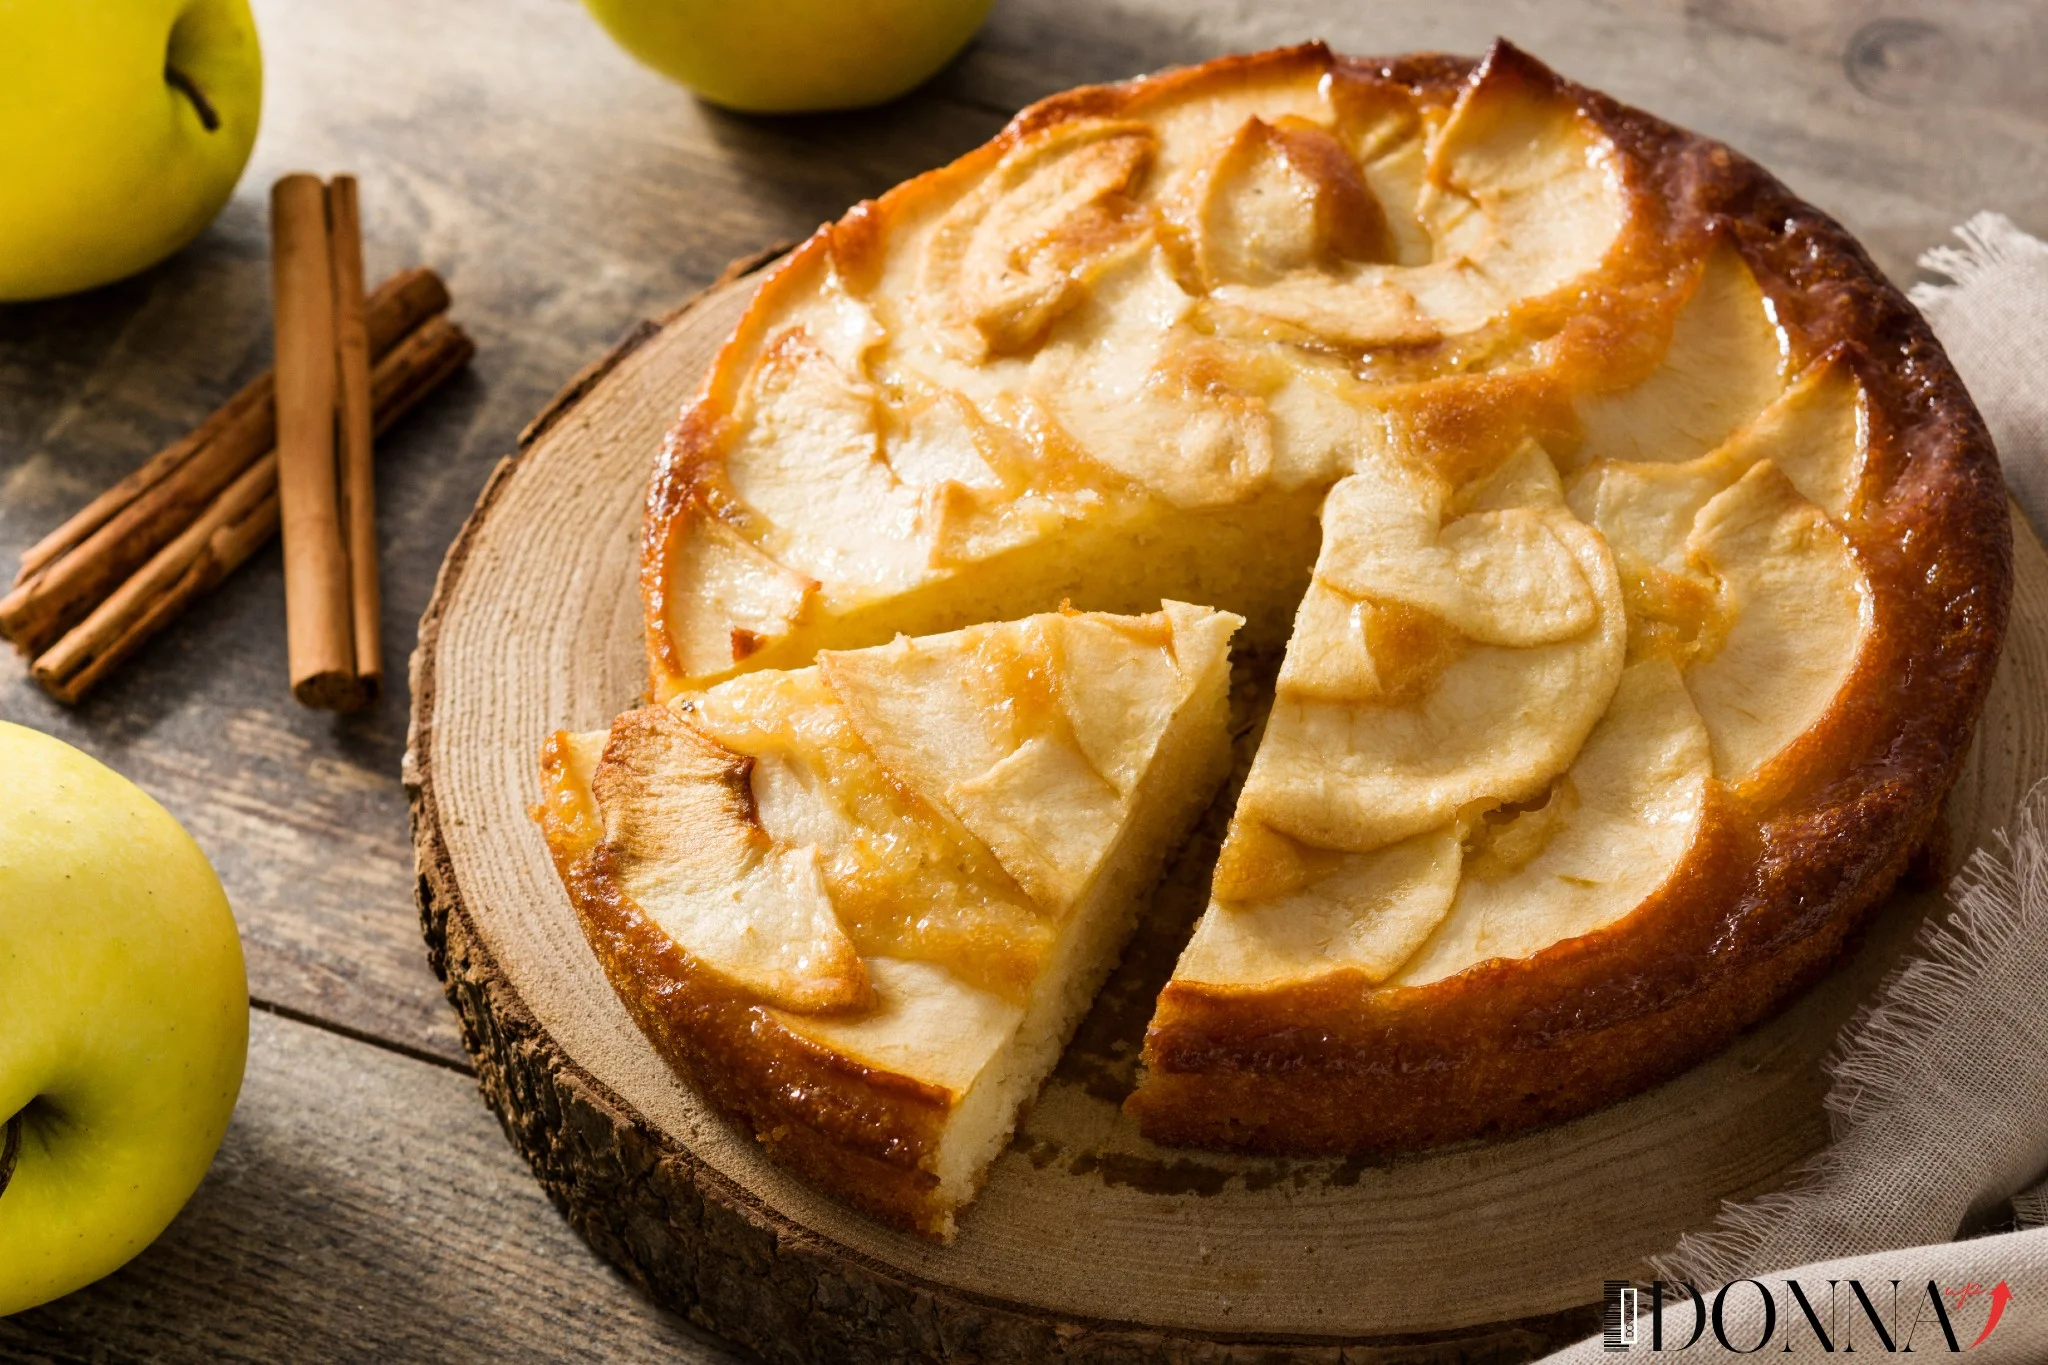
(1087, 1243)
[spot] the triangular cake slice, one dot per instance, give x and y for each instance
(863, 905)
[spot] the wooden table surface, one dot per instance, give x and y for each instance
(365, 1205)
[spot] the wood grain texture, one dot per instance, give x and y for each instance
(567, 192)
(1087, 1238)
(364, 1207)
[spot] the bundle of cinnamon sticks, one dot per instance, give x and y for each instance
(92, 591)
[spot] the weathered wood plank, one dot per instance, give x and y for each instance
(564, 192)
(364, 1207)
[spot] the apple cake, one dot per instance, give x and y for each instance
(1634, 562)
(862, 905)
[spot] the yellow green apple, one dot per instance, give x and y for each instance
(793, 56)
(124, 1018)
(124, 125)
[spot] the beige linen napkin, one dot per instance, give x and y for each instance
(1939, 1101)
(1992, 318)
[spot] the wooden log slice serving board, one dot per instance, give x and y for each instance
(1088, 1242)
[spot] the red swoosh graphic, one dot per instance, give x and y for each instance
(2001, 1295)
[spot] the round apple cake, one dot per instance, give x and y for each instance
(1634, 561)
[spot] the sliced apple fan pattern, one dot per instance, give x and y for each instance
(1585, 551)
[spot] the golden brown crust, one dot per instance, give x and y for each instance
(1782, 873)
(867, 1135)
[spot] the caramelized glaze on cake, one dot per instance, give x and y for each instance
(1635, 561)
(864, 904)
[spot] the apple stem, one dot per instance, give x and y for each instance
(208, 118)
(9, 1150)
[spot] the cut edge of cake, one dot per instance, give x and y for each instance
(844, 1096)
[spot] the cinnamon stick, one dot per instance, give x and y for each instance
(416, 367)
(101, 509)
(358, 477)
(232, 527)
(319, 631)
(227, 532)
(63, 575)
(37, 611)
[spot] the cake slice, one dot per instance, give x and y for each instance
(862, 905)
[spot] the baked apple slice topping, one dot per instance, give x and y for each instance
(916, 862)
(1455, 812)
(1284, 197)
(1358, 913)
(681, 839)
(1480, 653)
(1797, 605)
(1017, 251)
(1610, 832)
(950, 799)
(809, 464)
(1590, 561)
(1518, 198)
(1725, 362)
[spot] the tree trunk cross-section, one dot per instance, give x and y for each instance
(1088, 1243)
